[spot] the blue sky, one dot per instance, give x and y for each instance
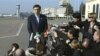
(9, 6)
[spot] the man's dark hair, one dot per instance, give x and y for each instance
(73, 32)
(37, 6)
(16, 45)
(77, 15)
(91, 14)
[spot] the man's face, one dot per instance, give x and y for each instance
(69, 35)
(36, 10)
(85, 44)
(75, 19)
(92, 17)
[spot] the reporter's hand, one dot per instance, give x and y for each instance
(76, 27)
(96, 28)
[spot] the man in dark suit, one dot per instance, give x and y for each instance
(37, 22)
(90, 25)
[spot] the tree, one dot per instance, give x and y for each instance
(69, 9)
(82, 9)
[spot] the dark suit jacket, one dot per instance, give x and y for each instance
(34, 26)
(95, 49)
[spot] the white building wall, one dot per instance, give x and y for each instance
(53, 12)
(89, 7)
(61, 12)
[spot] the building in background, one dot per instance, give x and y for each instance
(57, 12)
(54, 12)
(61, 12)
(92, 6)
(50, 12)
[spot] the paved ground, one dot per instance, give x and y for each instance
(14, 30)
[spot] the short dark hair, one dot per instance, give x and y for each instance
(73, 32)
(77, 15)
(91, 14)
(15, 45)
(37, 6)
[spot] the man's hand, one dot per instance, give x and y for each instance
(55, 34)
(76, 27)
(36, 36)
(96, 28)
(46, 34)
(37, 40)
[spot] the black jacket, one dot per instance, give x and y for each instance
(86, 25)
(96, 49)
(34, 26)
(71, 25)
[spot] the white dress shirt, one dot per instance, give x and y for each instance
(37, 17)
